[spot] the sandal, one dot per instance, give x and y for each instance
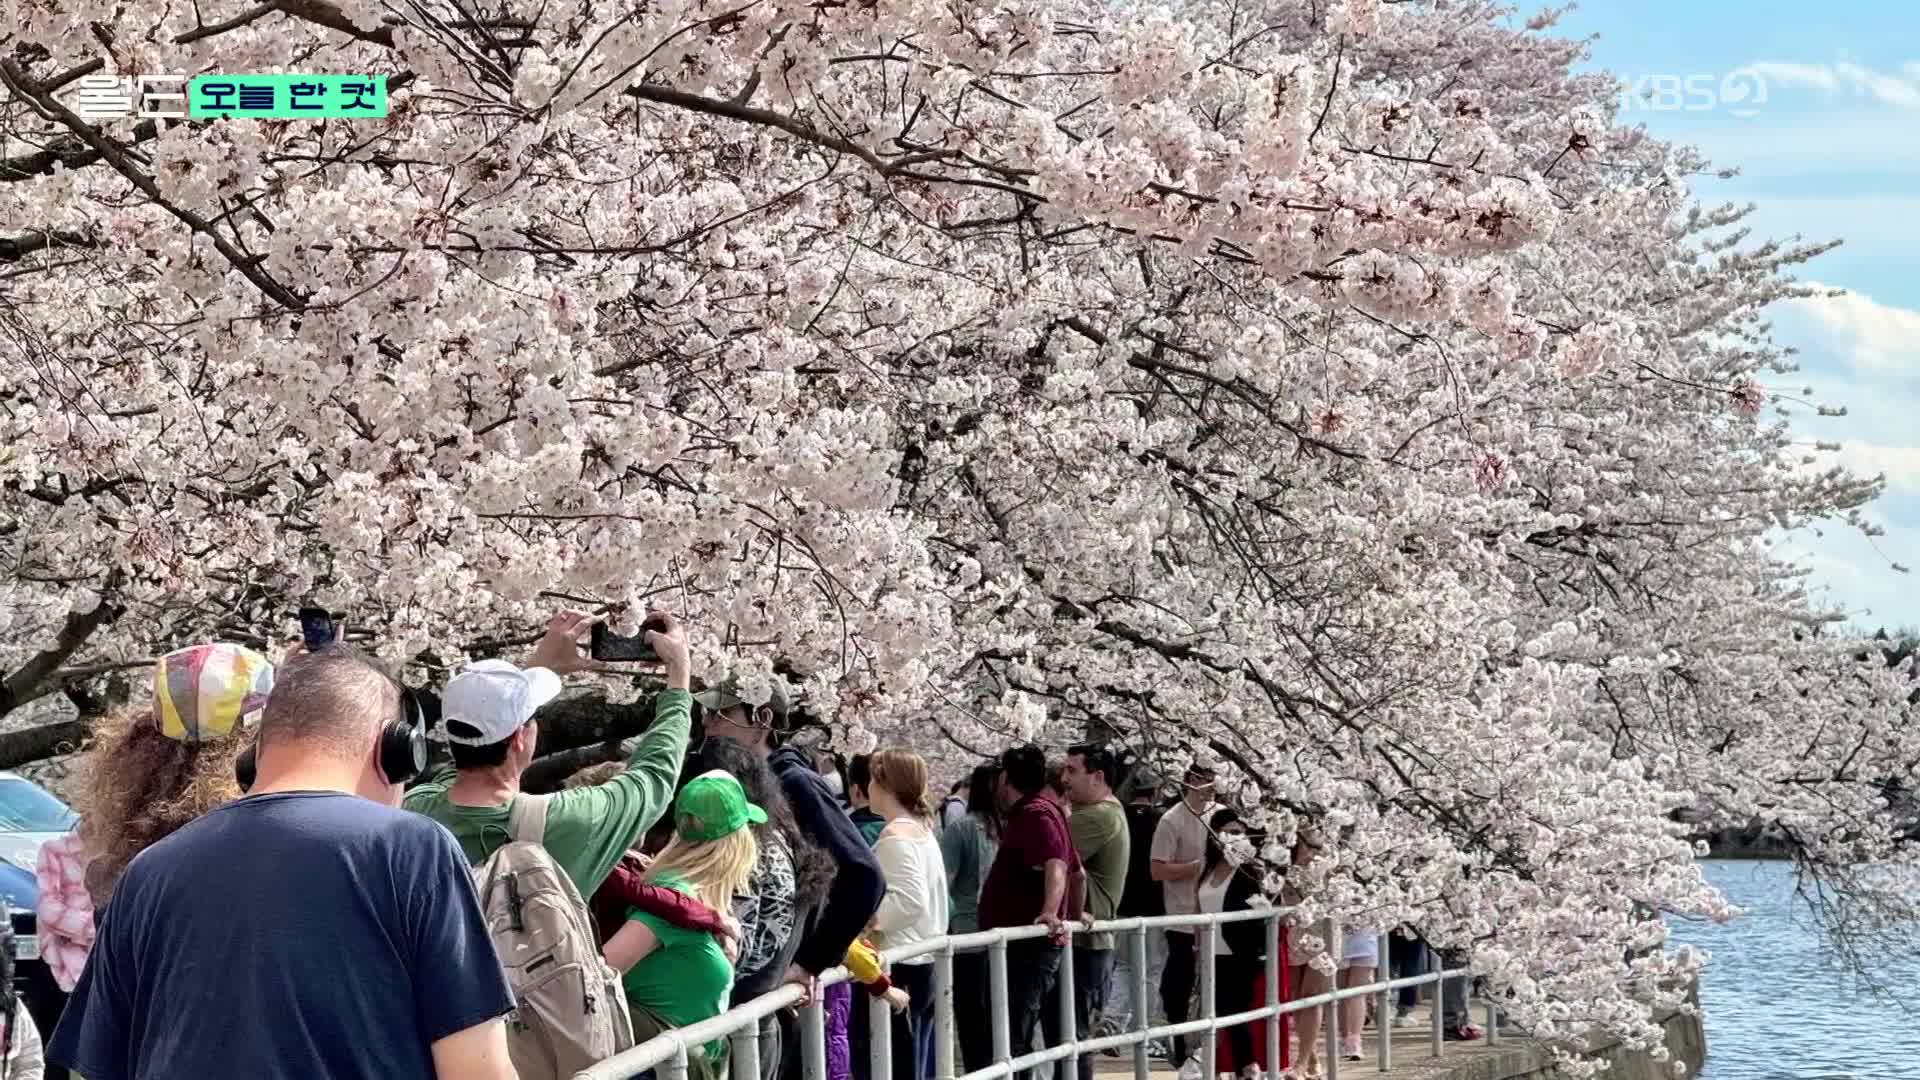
(1464, 1033)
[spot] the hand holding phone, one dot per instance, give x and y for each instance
(605, 645)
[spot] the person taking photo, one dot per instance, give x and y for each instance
(488, 714)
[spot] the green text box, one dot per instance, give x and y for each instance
(288, 97)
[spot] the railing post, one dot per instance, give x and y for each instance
(1439, 999)
(1209, 999)
(675, 1067)
(879, 1032)
(1067, 1068)
(997, 1001)
(1275, 1034)
(813, 1041)
(1142, 1008)
(1337, 947)
(744, 1052)
(1383, 1013)
(1493, 1017)
(942, 1014)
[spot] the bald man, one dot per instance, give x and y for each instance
(319, 929)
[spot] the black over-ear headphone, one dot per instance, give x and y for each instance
(403, 747)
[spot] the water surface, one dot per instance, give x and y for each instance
(1779, 1007)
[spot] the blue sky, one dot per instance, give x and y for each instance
(1830, 150)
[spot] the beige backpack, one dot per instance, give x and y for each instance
(569, 1008)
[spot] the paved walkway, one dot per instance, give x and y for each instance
(1412, 1056)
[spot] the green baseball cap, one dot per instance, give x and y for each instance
(713, 805)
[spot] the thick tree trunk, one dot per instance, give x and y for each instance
(570, 722)
(549, 773)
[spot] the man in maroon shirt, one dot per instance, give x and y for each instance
(1035, 879)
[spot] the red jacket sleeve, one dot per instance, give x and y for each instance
(625, 886)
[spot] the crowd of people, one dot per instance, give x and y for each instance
(1117, 843)
(346, 917)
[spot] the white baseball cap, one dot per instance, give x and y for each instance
(496, 699)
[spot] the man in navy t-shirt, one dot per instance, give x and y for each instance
(311, 929)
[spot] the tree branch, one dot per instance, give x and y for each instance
(116, 156)
(26, 684)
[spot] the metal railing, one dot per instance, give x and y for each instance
(666, 1054)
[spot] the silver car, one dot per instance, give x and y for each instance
(29, 817)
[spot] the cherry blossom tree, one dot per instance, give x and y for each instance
(1330, 389)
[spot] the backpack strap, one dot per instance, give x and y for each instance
(527, 818)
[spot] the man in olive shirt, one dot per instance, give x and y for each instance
(487, 711)
(1099, 830)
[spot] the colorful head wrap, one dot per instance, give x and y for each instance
(203, 692)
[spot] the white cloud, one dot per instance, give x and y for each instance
(1856, 572)
(1876, 338)
(1899, 89)
(1900, 464)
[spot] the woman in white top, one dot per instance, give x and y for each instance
(1212, 890)
(1229, 882)
(915, 906)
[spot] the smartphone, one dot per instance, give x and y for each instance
(607, 645)
(316, 628)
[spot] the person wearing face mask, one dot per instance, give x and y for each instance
(1179, 858)
(1231, 882)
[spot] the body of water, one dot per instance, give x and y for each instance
(1779, 1008)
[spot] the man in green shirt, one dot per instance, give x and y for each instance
(1099, 829)
(487, 711)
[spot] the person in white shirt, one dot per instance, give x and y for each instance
(915, 908)
(1179, 857)
(25, 1059)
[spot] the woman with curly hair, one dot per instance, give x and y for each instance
(148, 770)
